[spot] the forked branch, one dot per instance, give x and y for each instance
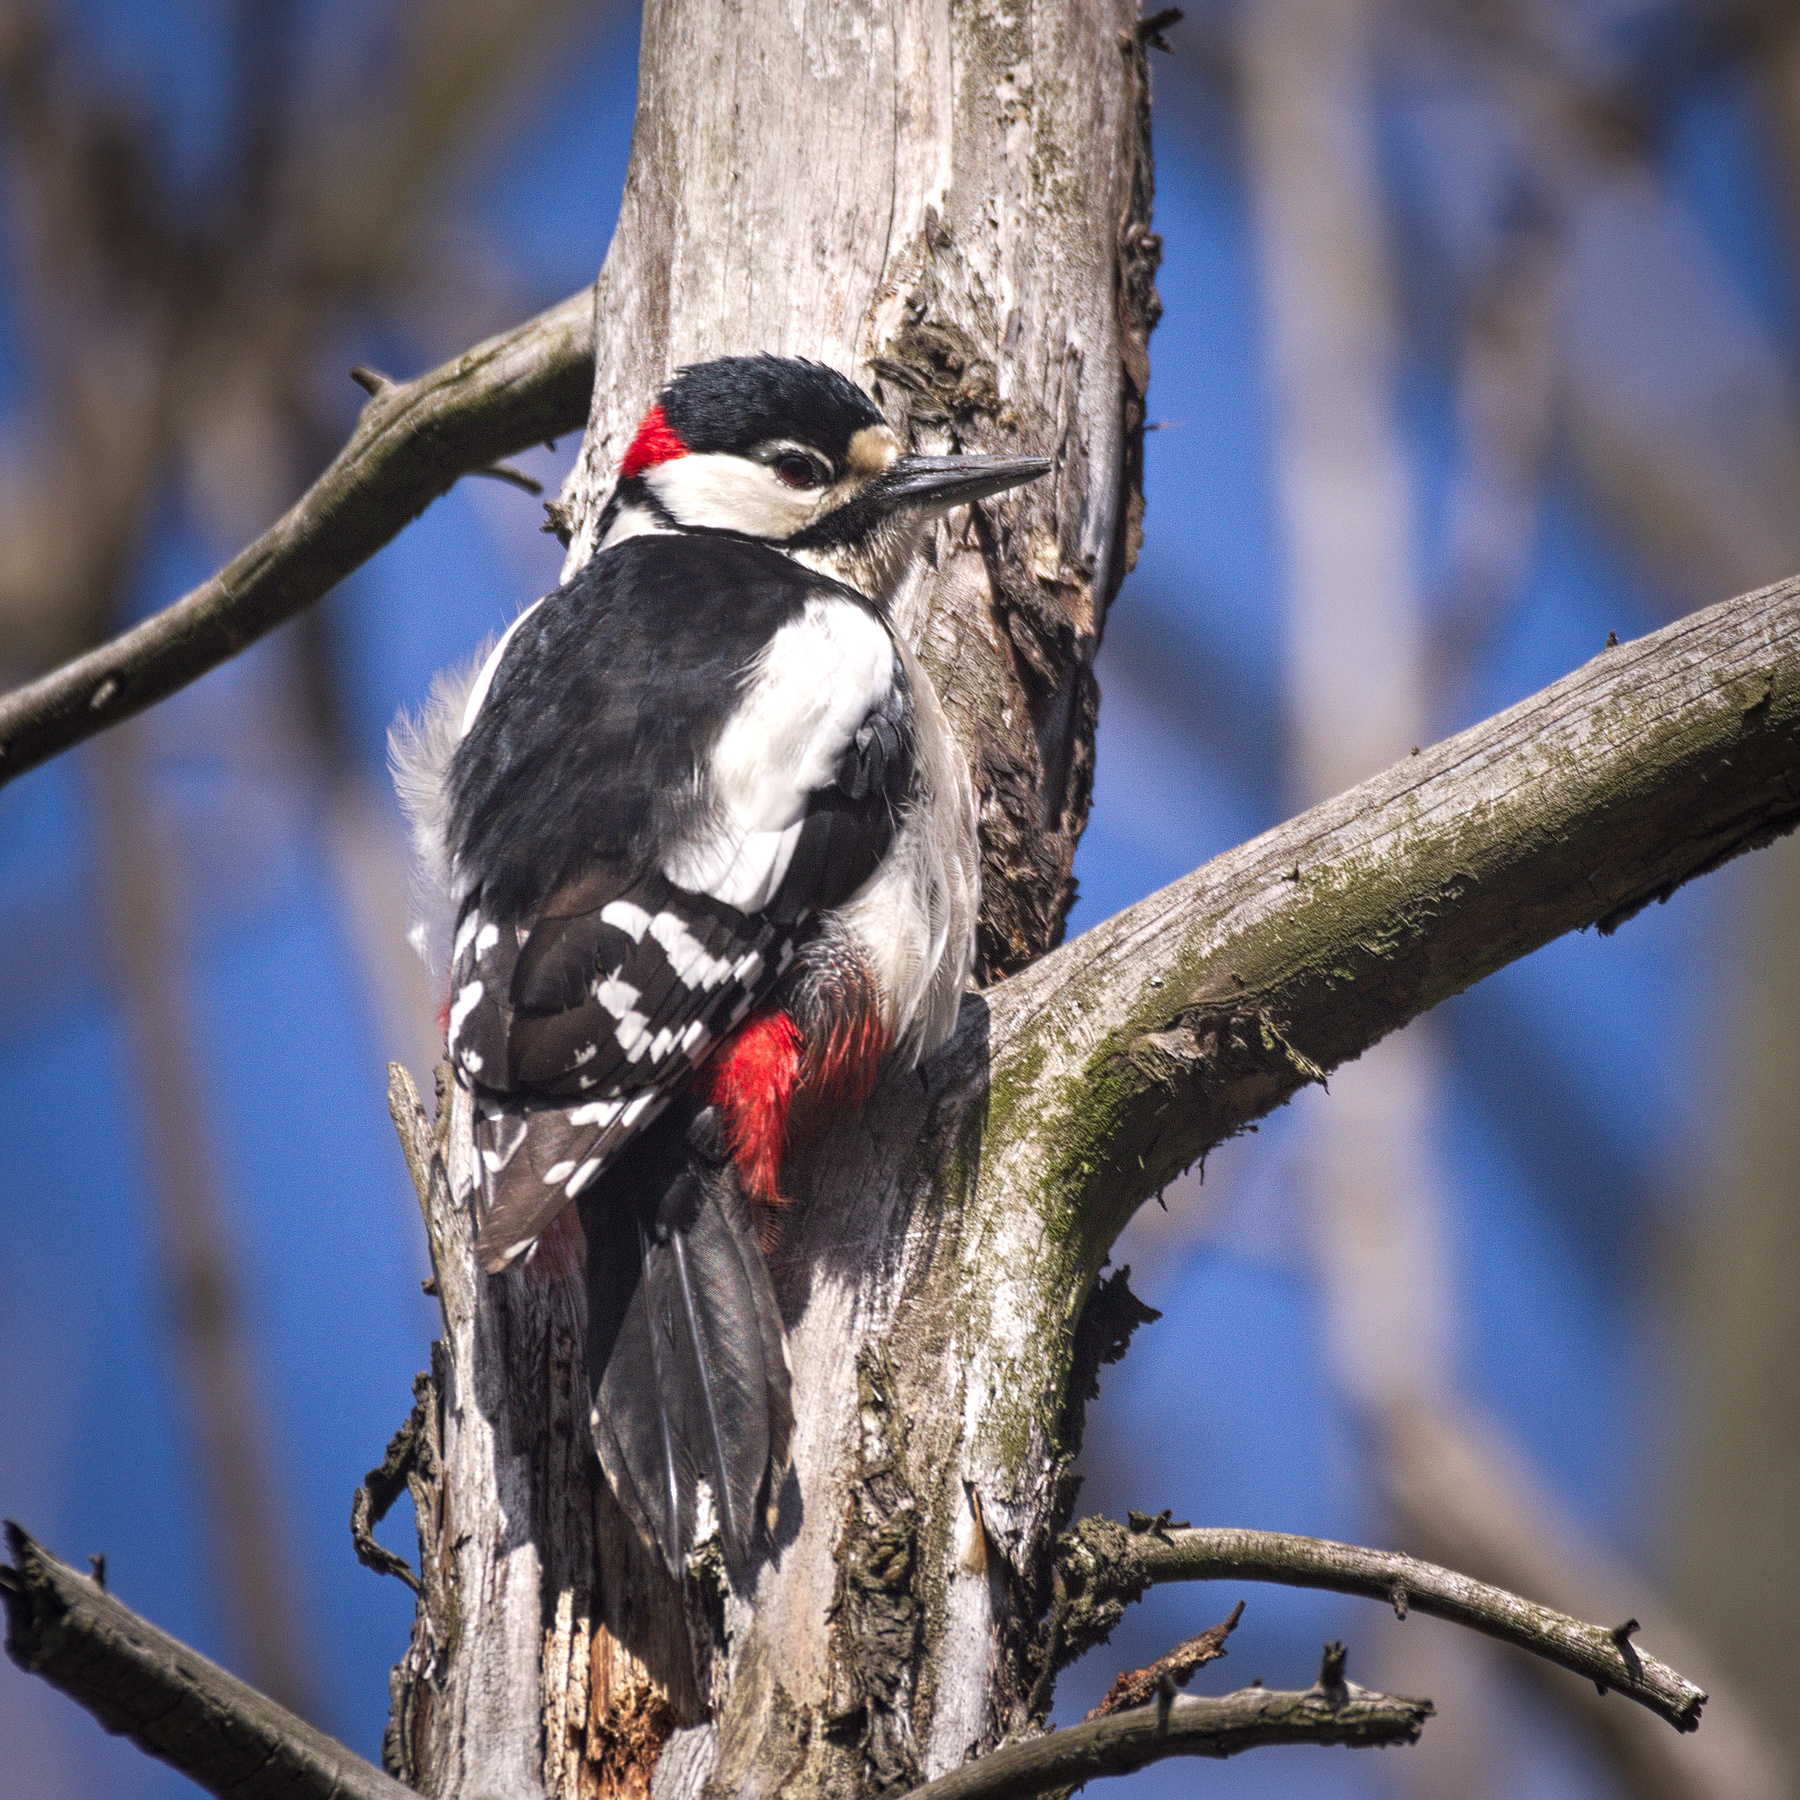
(1331, 1711)
(1105, 1566)
(169, 1700)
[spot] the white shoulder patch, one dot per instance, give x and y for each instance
(803, 701)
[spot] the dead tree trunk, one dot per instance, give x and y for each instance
(955, 206)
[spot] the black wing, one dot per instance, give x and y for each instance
(575, 1033)
(584, 998)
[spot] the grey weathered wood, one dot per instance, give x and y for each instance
(936, 1273)
(1172, 1026)
(1105, 1567)
(169, 1700)
(1214, 1726)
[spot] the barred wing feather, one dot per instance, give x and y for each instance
(575, 1033)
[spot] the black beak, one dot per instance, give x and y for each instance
(919, 484)
(931, 483)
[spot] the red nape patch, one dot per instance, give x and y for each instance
(656, 442)
(443, 1017)
(752, 1081)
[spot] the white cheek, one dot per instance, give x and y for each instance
(633, 521)
(730, 493)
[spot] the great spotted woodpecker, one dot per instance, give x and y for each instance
(709, 856)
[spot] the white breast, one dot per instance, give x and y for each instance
(914, 920)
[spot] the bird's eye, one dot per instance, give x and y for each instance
(796, 471)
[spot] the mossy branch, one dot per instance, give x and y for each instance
(1123, 1057)
(1106, 1566)
(413, 441)
(169, 1700)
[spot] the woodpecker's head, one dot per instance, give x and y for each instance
(797, 456)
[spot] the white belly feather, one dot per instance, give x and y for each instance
(914, 920)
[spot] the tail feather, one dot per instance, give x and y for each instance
(533, 1161)
(687, 1360)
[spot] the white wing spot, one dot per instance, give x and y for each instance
(688, 957)
(486, 939)
(464, 932)
(596, 1112)
(466, 1002)
(559, 1172)
(617, 996)
(582, 1176)
(630, 919)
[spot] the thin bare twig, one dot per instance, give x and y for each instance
(1136, 1687)
(169, 1700)
(412, 442)
(1106, 1566)
(1467, 1499)
(1332, 1711)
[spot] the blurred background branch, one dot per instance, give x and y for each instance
(174, 306)
(1575, 388)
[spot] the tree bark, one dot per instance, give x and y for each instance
(954, 206)
(935, 1275)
